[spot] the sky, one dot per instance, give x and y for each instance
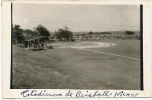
(78, 18)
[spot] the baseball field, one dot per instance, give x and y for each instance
(78, 65)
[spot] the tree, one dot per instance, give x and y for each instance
(17, 27)
(129, 33)
(64, 34)
(90, 33)
(30, 32)
(17, 34)
(42, 31)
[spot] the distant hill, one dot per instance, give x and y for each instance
(108, 32)
(121, 32)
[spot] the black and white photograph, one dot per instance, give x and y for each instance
(61, 46)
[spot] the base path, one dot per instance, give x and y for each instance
(98, 45)
(112, 54)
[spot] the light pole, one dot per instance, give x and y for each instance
(38, 37)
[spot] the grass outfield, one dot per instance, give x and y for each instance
(71, 68)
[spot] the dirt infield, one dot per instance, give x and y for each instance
(88, 45)
(83, 45)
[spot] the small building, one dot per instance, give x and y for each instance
(31, 41)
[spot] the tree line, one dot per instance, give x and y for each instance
(19, 34)
(62, 34)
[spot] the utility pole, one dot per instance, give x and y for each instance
(38, 40)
